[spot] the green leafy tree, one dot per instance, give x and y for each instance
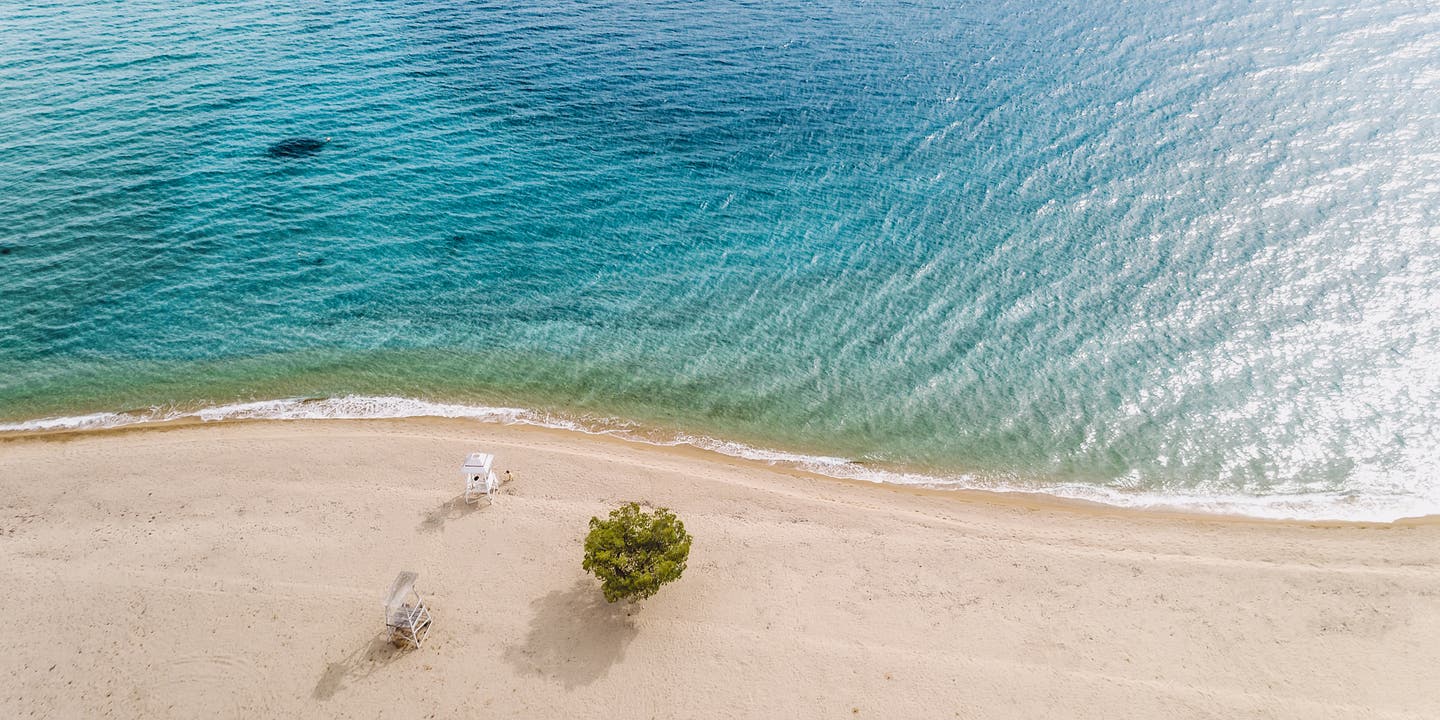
(634, 552)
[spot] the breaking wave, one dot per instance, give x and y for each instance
(1286, 506)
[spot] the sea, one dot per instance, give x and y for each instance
(1177, 255)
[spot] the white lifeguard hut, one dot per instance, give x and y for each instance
(479, 476)
(406, 616)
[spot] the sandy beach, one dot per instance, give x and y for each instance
(235, 570)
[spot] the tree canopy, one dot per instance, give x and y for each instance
(634, 552)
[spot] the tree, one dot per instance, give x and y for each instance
(635, 552)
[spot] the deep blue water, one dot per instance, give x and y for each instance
(1164, 252)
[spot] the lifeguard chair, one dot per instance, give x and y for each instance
(406, 616)
(479, 476)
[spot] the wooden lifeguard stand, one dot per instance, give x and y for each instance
(406, 616)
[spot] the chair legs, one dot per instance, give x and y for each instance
(414, 634)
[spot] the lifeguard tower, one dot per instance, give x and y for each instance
(406, 616)
(479, 476)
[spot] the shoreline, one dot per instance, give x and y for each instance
(783, 461)
(234, 569)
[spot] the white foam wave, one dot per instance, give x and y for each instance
(1294, 506)
(353, 407)
(93, 421)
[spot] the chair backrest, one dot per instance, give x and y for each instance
(400, 592)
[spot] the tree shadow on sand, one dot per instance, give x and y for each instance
(358, 665)
(575, 636)
(452, 509)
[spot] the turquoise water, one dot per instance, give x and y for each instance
(1164, 253)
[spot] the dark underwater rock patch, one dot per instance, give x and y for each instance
(296, 147)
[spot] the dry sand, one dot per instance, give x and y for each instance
(235, 571)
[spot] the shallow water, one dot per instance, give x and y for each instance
(1163, 254)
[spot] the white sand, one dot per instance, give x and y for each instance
(235, 571)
